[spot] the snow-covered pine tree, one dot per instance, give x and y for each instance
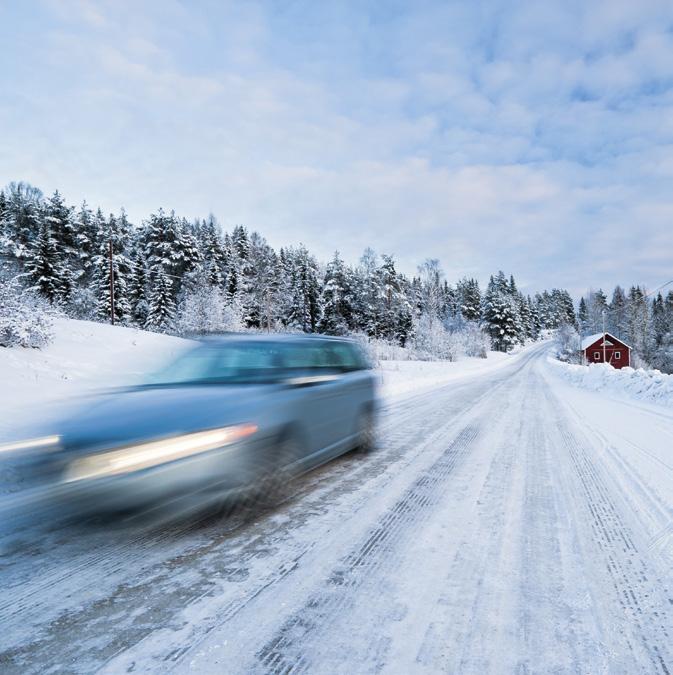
(239, 273)
(396, 318)
(542, 306)
(659, 319)
(367, 294)
(63, 229)
(304, 290)
(8, 263)
(662, 327)
(212, 252)
(524, 318)
(469, 297)
(262, 284)
(161, 237)
(23, 218)
(404, 331)
(638, 319)
(161, 304)
(4, 210)
(617, 316)
(583, 317)
(450, 313)
(44, 268)
(137, 287)
(534, 326)
(87, 232)
(117, 232)
(597, 304)
(564, 308)
(4, 217)
(230, 264)
(336, 299)
(501, 314)
(190, 258)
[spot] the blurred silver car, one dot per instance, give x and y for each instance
(231, 416)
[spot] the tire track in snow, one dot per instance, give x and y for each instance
(283, 654)
(551, 619)
(469, 598)
(643, 599)
(287, 651)
(424, 439)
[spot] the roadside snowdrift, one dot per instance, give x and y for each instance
(650, 386)
(406, 377)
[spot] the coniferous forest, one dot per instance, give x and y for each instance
(183, 277)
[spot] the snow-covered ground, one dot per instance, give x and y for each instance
(404, 377)
(509, 522)
(650, 386)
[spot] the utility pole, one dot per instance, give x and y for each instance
(112, 288)
(604, 338)
(580, 351)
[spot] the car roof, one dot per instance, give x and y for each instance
(288, 338)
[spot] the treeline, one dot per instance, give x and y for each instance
(173, 275)
(642, 320)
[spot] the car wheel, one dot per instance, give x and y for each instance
(277, 479)
(366, 432)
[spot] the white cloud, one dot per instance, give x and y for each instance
(534, 139)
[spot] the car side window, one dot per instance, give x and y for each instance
(345, 357)
(325, 356)
(303, 357)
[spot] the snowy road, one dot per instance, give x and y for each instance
(508, 523)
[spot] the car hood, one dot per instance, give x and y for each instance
(140, 413)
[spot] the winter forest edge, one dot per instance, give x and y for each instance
(180, 277)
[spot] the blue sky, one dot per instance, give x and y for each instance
(536, 137)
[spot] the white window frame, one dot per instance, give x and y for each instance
(597, 355)
(618, 355)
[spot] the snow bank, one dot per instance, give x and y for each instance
(404, 377)
(651, 386)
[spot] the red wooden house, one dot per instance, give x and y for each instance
(606, 348)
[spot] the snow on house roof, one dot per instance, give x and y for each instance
(590, 339)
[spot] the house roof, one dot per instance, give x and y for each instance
(590, 339)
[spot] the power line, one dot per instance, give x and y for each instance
(647, 295)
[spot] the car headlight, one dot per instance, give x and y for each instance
(44, 443)
(146, 455)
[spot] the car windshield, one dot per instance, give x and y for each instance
(255, 362)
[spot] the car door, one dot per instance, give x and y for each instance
(332, 391)
(317, 394)
(355, 390)
(342, 393)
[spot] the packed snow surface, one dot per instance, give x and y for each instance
(650, 386)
